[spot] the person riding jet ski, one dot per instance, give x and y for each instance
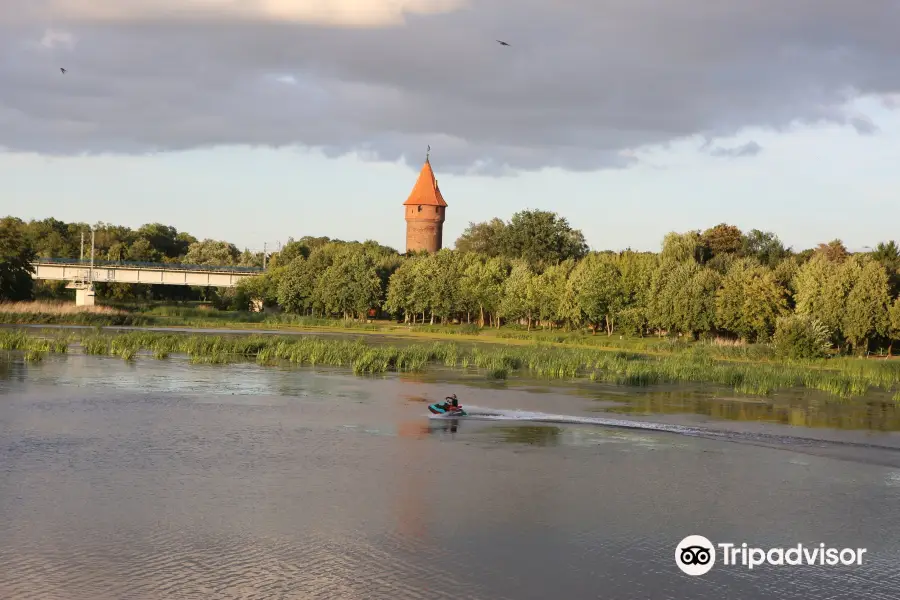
(454, 403)
(451, 406)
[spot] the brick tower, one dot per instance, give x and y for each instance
(425, 210)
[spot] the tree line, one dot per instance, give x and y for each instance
(535, 269)
(21, 242)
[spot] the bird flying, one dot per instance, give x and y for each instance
(63, 71)
(502, 43)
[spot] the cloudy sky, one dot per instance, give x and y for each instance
(256, 120)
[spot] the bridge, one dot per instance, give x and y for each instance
(83, 273)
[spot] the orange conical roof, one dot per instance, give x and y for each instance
(426, 191)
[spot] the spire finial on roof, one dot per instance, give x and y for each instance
(428, 153)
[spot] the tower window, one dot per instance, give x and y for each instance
(420, 209)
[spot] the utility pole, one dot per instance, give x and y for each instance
(92, 256)
(80, 280)
(264, 256)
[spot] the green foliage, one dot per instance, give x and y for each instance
(750, 300)
(531, 273)
(894, 320)
(16, 255)
(722, 239)
(483, 238)
(212, 252)
(765, 247)
(834, 251)
(866, 310)
(683, 298)
(598, 291)
(682, 247)
(520, 299)
(822, 287)
(541, 238)
(799, 337)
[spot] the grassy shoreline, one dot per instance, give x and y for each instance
(840, 378)
(186, 317)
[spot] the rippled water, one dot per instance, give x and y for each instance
(160, 479)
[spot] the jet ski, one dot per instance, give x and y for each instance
(443, 409)
(447, 408)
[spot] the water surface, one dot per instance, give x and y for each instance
(161, 479)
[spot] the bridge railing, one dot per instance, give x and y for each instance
(148, 265)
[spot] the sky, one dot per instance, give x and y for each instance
(259, 120)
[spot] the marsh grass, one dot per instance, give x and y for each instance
(59, 313)
(34, 355)
(202, 317)
(56, 308)
(702, 363)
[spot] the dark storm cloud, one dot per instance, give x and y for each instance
(584, 83)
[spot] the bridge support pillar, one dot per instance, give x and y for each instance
(84, 296)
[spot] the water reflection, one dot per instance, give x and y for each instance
(532, 435)
(803, 410)
(443, 425)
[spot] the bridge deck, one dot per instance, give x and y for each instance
(148, 273)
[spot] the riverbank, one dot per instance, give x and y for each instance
(841, 378)
(38, 313)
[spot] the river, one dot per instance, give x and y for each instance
(161, 479)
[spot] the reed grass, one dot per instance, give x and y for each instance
(60, 313)
(702, 363)
(56, 308)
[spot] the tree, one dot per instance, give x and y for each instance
(445, 283)
(51, 238)
(212, 252)
(117, 252)
(637, 275)
(866, 311)
(350, 286)
(888, 254)
(800, 337)
(894, 322)
(482, 238)
(684, 298)
(822, 290)
(295, 283)
(786, 273)
(597, 283)
(519, 300)
(16, 256)
(483, 279)
(554, 300)
(165, 240)
(765, 247)
(142, 251)
(681, 247)
(262, 289)
(399, 297)
(722, 239)
(542, 238)
(291, 250)
(314, 243)
(750, 301)
(250, 259)
(834, 251)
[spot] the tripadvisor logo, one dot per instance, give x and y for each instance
(696, 555)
